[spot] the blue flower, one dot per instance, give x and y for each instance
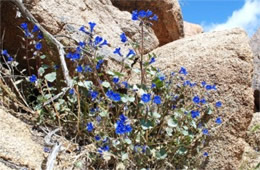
(131, 53)
(9, 59)
(33, 78)
(75, 56)
(218, 104)
(97, 138)
(205, 154)
(94, 94)
(40, 35)
(69, 55)
(135, 15)
(35, 28)
(117, 51)
(162, 77)
(218, 120)
(89, 127)
(154, 18)
(196, 99)
(38, 45)
(87, 68)
(98, 40)
(122, 126)
(92, 25)
(153, 85)
(142, 14)
(149, 13)
(172, 73)
(82, 29)
(203, 83)
(146, 98)
(195, 114)
(157, 100)
(99, 63)
(123, 37)
(115, 79)
(205, 131)
(125, 84)
(24, 26)
(103, 43)
(4, 52)
(79, 69)
(71, 91)
(203, 101)
(183, 71)
(113, 96)
(208, 87)
(105, 148)
(82, 44)
(152, 60)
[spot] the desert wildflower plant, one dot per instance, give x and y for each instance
(160, 122)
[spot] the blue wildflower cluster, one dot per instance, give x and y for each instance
(113, 96)
(165, 106)
(122, 127)
(30, 34)
(5, 53)
(142, 14)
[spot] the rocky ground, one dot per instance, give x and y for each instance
(224, 58)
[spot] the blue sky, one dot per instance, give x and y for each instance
(223, 14)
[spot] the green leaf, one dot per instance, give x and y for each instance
(172, 122)
(161, 154)
(128, 141)
(124, 156)
(51, 77)
(185, 132)
(43, 56)
(41, 71)
(106, 84)
(210, 111)
(156, 115)
(104, 113)
(86, 84)
(146, 124)
(169, 131)
(158, 82)
(182, 151)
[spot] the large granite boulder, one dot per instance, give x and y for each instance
(18, 150)
(225, 59)
(191, 29)
(170, 24)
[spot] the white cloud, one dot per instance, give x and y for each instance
(248, 18)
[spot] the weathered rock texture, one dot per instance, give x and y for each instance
(191, 29)
(16, 144)
(223, 58)
(255, 44)
(170, 24)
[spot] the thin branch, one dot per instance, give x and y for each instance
(59, 46)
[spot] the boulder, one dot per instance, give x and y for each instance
(17, 147)
(191, 29)
(255, 45)
(170, 24)
(225, 59)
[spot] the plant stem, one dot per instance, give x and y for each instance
(142, 52)
(78, 120)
